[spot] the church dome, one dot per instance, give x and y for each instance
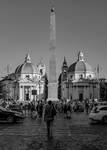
(26, 68)
(80, 65)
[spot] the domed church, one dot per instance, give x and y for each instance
(77, 81)
(26, 83)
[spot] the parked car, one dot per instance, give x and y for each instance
(10, 115)
(98, 114)
(102, 103)
(15, 107)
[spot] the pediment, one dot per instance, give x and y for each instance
(26, 80)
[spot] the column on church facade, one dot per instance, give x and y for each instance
(75, 92)
(86, 91)
(21, 92)
(32, 97)
(72, 91)
(16, 94)
(95, 91)
(91, 91)
(42, 88)
(30, 93)
(73, 95)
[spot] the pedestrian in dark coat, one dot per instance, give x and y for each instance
(86, 107)
(40, 109)
(69, 110)
(33, 110)
(65, 109)
(49, 114)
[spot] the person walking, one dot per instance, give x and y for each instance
(65, 109)
(87, 107)
(49, 114)
(69, 110)
(33, 113)
(40, 109)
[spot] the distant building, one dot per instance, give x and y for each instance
(78, 81)
(26, 84)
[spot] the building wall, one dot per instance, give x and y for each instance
(15, 89)
(88, 89)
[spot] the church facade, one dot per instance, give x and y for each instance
(27, 83)
(78, 81)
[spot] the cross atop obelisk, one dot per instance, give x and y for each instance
(52, 86)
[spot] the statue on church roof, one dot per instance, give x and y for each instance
(80, 56)
(27, 58)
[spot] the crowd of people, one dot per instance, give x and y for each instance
(35, 108)
(48, 110)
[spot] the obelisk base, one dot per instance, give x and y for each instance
(52, 92)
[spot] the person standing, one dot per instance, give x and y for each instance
(69, 110)
(40, 109)
(87, 107)
(65, 109)
(49, 114)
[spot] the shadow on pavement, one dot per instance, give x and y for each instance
(98, 123)
(89, 147)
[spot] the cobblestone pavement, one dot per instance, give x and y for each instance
(73, 134)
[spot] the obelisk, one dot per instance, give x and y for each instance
(52, 84)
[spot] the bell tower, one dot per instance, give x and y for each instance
(64, 70)
(52, 85)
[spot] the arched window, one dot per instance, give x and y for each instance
(27, 76)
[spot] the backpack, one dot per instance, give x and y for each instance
(50, 112)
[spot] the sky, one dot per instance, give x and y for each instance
(80, 25)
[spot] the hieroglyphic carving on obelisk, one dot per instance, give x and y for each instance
(52, 85)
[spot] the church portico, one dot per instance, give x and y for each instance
(26, 90)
